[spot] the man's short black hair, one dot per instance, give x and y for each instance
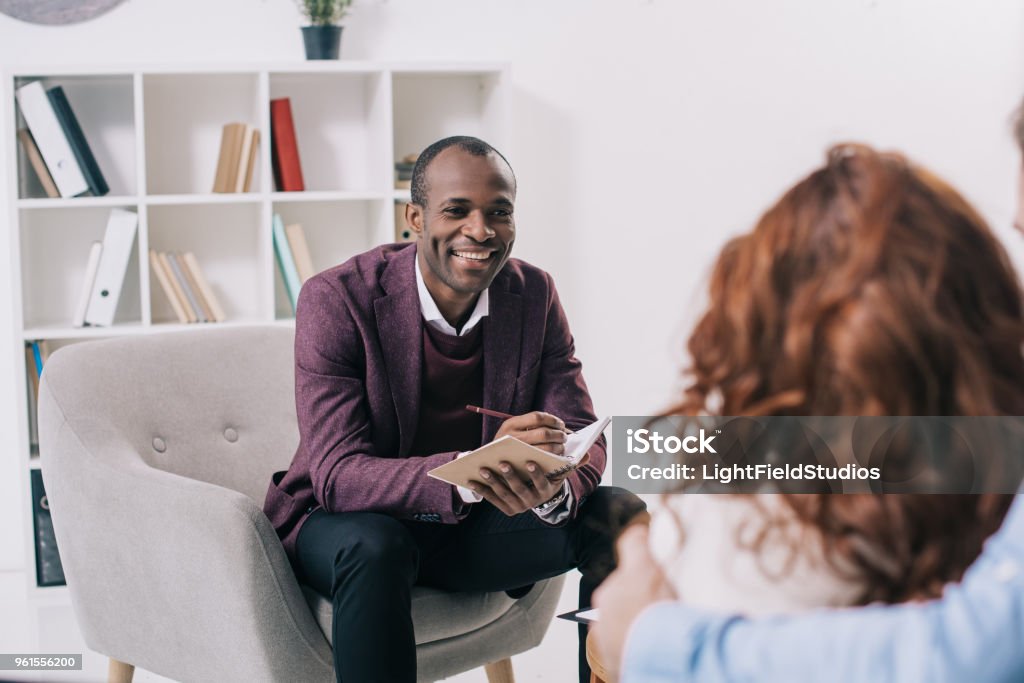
(466, 143)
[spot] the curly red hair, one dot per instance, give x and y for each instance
(870, 288)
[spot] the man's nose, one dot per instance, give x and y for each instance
(477, 227)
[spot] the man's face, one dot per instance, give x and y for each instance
(466, 230)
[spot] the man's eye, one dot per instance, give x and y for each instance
(455, 211)
(504, 213)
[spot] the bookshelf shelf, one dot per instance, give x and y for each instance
(65, 332)
(76, 202)
(211, 198)
(156, 132)
(312, 196)
(57, 333)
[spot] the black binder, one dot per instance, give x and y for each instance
(73, 131)
(49, 571)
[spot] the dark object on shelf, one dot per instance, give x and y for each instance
(403, 171)
(49, 571)
(83, 154)
(322, 42)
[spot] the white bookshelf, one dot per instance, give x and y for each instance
(155, 132)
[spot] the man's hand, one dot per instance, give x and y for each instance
(635, 584)
(515, 492)
(543, 430)
(511, 492)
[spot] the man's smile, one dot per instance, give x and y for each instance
(473, 258)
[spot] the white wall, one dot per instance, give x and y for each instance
(647, 131)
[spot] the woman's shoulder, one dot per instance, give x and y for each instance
(746, 553)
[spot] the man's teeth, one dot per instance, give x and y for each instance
(476, 256)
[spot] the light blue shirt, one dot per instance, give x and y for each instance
(975, 633)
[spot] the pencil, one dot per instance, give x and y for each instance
(496, 413)
(487, 411)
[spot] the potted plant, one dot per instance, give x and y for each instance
(323, 35)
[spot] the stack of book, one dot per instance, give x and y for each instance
(105, 271)
(284, 147)
(293, 257)
(403, 171)
(55, 144)
(186, 287)
(237, 160)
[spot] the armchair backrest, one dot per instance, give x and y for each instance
(213, 405)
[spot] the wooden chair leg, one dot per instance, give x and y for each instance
(500, 671)
(119, 672)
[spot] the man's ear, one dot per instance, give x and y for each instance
(414, 218)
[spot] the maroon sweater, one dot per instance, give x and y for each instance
(453, 376)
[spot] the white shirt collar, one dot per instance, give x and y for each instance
(432, 314)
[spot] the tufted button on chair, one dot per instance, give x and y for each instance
(157, 451)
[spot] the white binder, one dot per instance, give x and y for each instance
(50, 139)
(117, 251)
(90, 277)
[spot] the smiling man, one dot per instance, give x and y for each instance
(390, 347)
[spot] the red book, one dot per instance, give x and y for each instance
(284, 148)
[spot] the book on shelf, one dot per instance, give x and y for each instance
(238, 157)
(35, 159)
(231, 137)
(246, 160)
(36, 355)
(50, 139)
(79, 145)
(32, 387)
(284, 147)
(185, 286)
(91, 266)
(286, 262)
(205, 291)
(193, 285)
(300, 251)
(164, 278)
(191, 296)
(179, 292)
(253, 160)
(113, 266)
(49, 571)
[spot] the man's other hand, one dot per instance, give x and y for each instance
(515, 492)
(636, 583)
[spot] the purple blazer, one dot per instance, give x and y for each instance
(358, 366)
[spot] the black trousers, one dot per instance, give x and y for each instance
(367, 564)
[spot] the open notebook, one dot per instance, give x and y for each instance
(516, 453)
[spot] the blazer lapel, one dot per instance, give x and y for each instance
(400, 330)
(502, 342)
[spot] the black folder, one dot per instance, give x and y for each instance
(76, 138)
(49, 571)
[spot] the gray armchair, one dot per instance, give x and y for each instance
(156, 453)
